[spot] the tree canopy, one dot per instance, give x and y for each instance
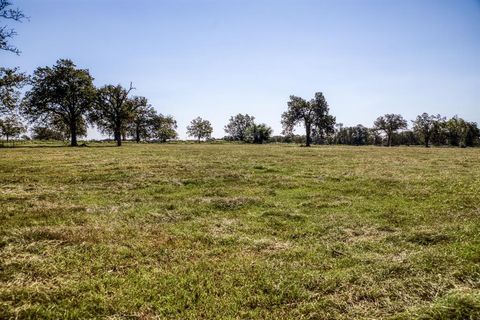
(200, 129)
(238, 126)
(389, 124)
(313, 115)
(425, 125)
(163, 127)
(141, 125)
(11, 81)
(114, 110)
(60, 93)
(11, 126)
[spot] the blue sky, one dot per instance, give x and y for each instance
(217, 58)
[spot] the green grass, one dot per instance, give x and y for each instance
(239, 231)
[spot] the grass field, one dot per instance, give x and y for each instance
(239, 231)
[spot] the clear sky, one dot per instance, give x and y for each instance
(217, 58)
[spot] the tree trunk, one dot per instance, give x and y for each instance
(73, 134)
(199, 139)
(118, 137)
(308, 132)
(427, 141)
(137, 134)
(389, 139)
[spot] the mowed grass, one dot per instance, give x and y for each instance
(239, 231)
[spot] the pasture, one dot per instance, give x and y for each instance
(227, 231)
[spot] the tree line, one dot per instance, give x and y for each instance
(61, 101)
(389, 129)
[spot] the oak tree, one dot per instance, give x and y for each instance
(425, 126)
(163, 127)
(60, 93)
(313, 115)
(200, 129)
(140, 128)
(389, 124)
(238, 126)
(11, 126)
(114, 110)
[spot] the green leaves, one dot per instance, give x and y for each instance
(60, 93)
(200, 129)
(314, 115)
(11, 81)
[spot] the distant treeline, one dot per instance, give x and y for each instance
(61, 101)
(454, 132)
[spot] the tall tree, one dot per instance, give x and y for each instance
(141, 125)
(313, 114)
(6, 12)
(114, 110)
(389, 124)
(200, 129)
(238, 126)
(11, 126)
(62, 92)
(163, 127)
(425, 126)
(11, 81)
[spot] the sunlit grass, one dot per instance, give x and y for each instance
(239, 231)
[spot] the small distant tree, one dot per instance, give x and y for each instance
(200, 129)
(425, 126)
(374, 138)
(5, 33)
(314, 115)
(114, 111)
(238, 126)
(11, 81)
(163, 127)
(472, 138)
(454, 130)
(461, 133)
(60, 93)
(359, 135)
(140, 128)
(258, 133)
(390, 124)
(11, 127)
